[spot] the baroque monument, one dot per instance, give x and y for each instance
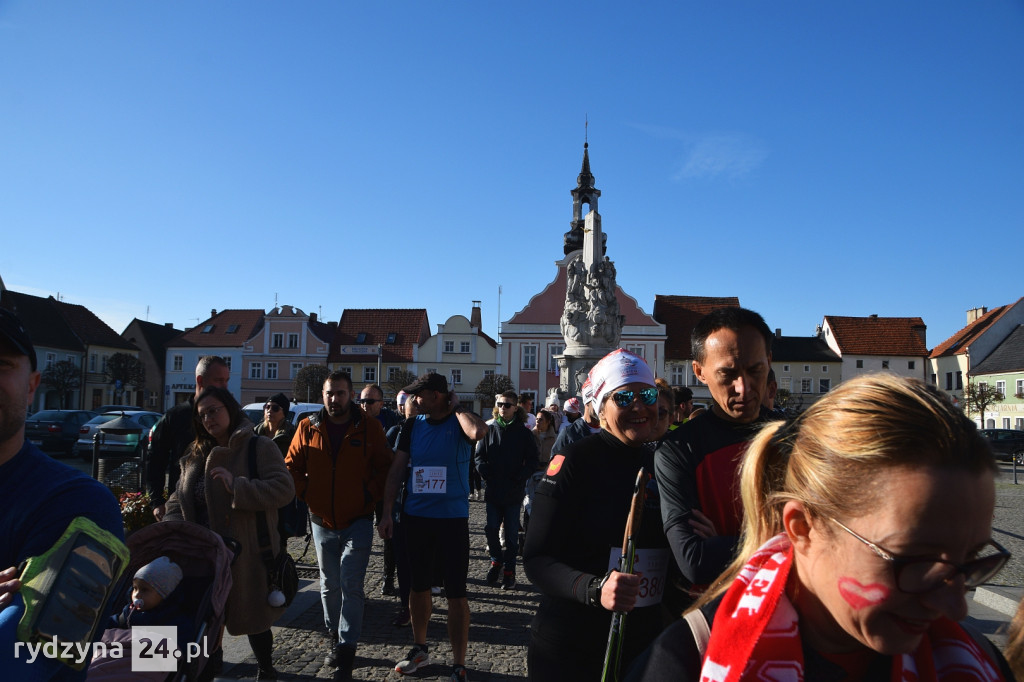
(591, 322)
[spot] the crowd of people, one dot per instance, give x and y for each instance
(724, 543)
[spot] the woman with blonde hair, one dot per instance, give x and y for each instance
(865, 521)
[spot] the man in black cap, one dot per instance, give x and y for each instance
(433, 458)
(40, 499)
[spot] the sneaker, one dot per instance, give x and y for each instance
(509, 582)
(494, 574)
(414, 660)
(402, 618)
(458, 674)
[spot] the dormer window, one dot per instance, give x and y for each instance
(392, 336)
(361, 337)
(232, 329)
(207, 329)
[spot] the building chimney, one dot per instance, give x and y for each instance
(213, 312)
(778, 332)
(921, 330)
(874, 316)
(474, 317)
(975, 313)
(169, 325)
(312, 318)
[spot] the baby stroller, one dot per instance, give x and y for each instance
(205, 562)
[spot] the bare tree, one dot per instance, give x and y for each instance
(125, 370)
(309, 383)
(978, 397)
(491, 385)
(400, 380)
(63, 377)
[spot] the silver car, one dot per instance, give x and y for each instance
(128, 445)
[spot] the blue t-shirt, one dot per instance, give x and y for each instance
(436, 447)
(39, 497)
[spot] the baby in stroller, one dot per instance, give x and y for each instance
(156, 599)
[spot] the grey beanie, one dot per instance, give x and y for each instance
(162, 574)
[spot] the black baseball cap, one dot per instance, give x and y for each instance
(431, 381)
(13, 330)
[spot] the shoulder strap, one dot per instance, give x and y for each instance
(262, 529)
(698, 623)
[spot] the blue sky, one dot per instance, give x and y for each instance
(812, 158)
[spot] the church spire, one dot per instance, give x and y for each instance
(584, 193)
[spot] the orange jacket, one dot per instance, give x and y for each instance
(341, 489)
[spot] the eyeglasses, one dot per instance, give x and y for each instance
(624, 399)
(210, 413)
(273, 407)
(917, 575)
(501, 405)
(368, 401)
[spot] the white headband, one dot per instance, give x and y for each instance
(616, 369)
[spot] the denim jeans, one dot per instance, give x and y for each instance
(343, 556)
(509, 515)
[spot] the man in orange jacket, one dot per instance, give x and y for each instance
(339, 459)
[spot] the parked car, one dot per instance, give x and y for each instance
(56, 430)
(1006, 444)
(298, 411)
(103, 409)
(128, 445)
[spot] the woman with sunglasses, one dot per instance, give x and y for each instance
(217, 490)
(865, 521)
(275, 425)
(575, 536)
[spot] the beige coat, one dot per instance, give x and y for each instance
(234, 515)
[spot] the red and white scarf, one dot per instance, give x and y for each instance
(756, 634)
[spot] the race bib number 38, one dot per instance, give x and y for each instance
(652, 567)
(430, 480)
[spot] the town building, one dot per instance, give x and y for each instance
(464, 354)
(223, 334)
(375, 346)
(950, 363)
(1003, 370)
(805, 369)
(151, 339)
(287, 341)
(875, 344)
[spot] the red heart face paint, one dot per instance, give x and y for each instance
(861, 596)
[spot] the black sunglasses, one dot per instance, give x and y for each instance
(624, 399)
(368, 401)
(273, 407)
(505, 404)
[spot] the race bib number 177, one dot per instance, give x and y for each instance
(430, 480)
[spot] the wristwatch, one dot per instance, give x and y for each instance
(594, 589)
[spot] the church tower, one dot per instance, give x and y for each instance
(584, 193)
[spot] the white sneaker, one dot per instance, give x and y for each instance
(413, 661)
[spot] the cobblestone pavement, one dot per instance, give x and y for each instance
(499, 629)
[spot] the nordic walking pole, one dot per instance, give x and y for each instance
(612, 652)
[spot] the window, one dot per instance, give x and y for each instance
(92, 362)
(678, 375)
(1020, 387)
(982, 385)
(885, 364)
(464, 346)
(277, 340)
(488, 373)
(346, 370)
(529, 357)
(824, 385)
(805, 385)
(1001, 389)
(232, 328)
(1006, 422)
(1019, 423)
(208, 329)
(74, 361)
(255, 370)
(785, 368)
(369, 374)
(807, 368)
(431, 370)
(959, 380)
(296, 366)
(449, 346)
(361, 338)
(50, 359)
(949, 381)
(392, 337)
(785, 383)
(103, 363)
(227, 361)
(824, 369)
(636, 350)
(177, 362)
(293, 340)
(456, 376)
(553, 350)
(910, 364)
(860, 364)
(935, 379)
(271, 370)
(393, 373)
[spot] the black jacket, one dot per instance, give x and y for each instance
(171, 437)
(505, 459)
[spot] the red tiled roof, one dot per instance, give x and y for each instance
(680, 314)
(546, 307)
(410, 326)
(879, 335)
(959, 342)
(91, 329)
(244, 322)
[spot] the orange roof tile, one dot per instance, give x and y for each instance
(958, 343)
(879, 335)
(228, 328)
(409, 325)
(680, 314)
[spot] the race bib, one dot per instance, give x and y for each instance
(652, 567)
(430, 480)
